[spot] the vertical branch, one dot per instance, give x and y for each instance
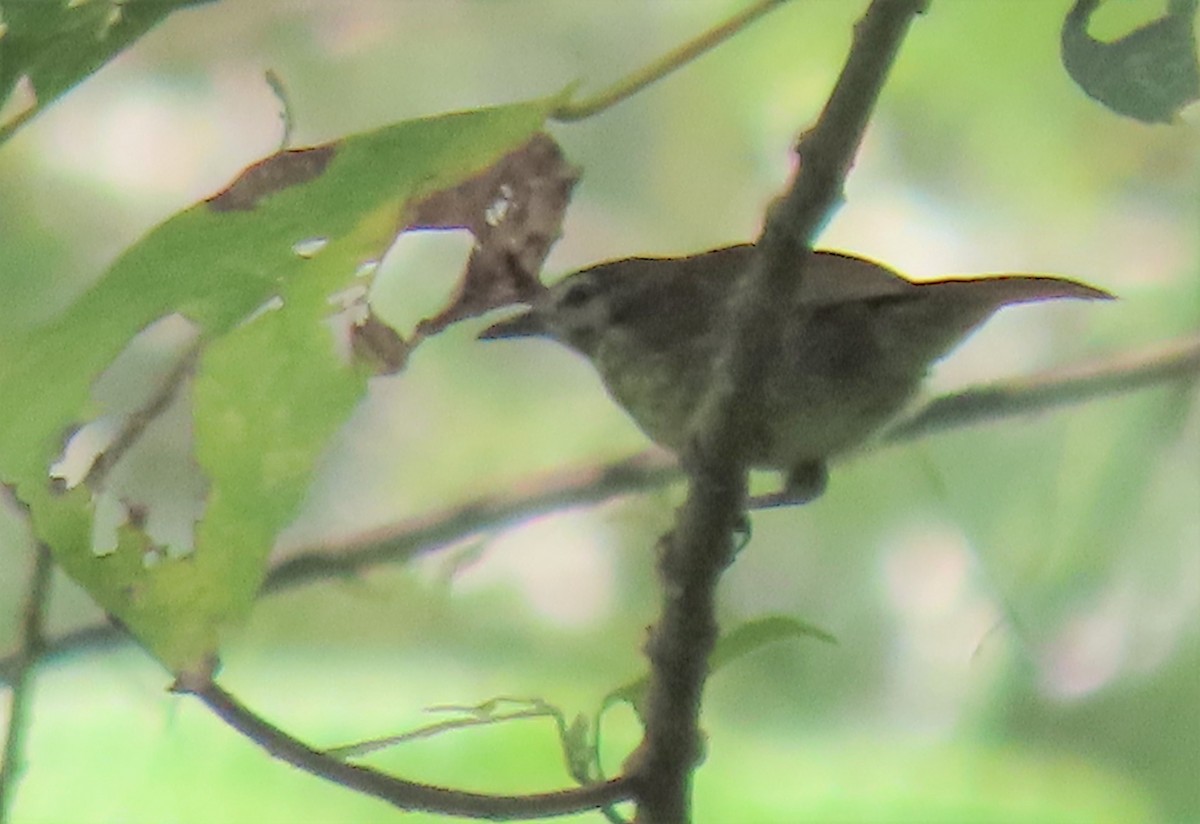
(694, 555)
(21, 677)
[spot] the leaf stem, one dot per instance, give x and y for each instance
(640, 79)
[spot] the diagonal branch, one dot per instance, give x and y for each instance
(402, 541)
(1172, 361)
(135, 426)
(635, 82)
(558, 490)
(693, 556)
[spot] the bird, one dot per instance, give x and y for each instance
(857, 341)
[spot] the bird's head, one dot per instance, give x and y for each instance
(576, 311)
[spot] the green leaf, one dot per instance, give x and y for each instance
(269, 390)
(747, 638)
(754, 635)
(1149, 74)
(56, 44)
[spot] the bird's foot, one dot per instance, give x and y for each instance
(741, 533)
(804, 483)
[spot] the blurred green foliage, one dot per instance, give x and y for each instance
(258, 431)
(1017, 607)
(54, 46)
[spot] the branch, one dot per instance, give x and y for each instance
(693, 556)
(142, 417)
(20, 676)
(406, 795)
(519, 501)
(1176, 360)
(635, 82)
(581, 486)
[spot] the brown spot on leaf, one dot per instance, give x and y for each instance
(379, 345)
(514, 209)
(136, 514)
(272, 174)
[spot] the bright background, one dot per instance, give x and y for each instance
(1017, 606)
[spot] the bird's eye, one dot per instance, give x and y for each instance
(578, 294)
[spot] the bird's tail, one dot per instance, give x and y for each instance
(933, 318)
(1000, 290)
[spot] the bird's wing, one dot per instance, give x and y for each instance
(837, 277)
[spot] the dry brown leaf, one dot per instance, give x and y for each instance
(514, 209)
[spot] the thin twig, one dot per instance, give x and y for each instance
(517, 502)
(695, 554)
(635, 82)
(402, 541)
(285, 107)
(473, 718)
(407, 795)
(362, 748)
(1160, 364)
(142, 417)
(21, 672)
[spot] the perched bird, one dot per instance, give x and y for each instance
(862, 339)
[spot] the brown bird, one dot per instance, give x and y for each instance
(863, 339)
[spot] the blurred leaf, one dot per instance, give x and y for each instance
(56, 44)
(754, 635)
(254, 269)
(740, 642)
(1149, 74)
(1044, 568)
(747, 638)
(886, 779)
(1146, 725)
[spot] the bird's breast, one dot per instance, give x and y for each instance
(828, 387)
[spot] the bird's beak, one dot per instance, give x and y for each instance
(526, 324)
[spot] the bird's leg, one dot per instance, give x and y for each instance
(741, 533)
(804, 483)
